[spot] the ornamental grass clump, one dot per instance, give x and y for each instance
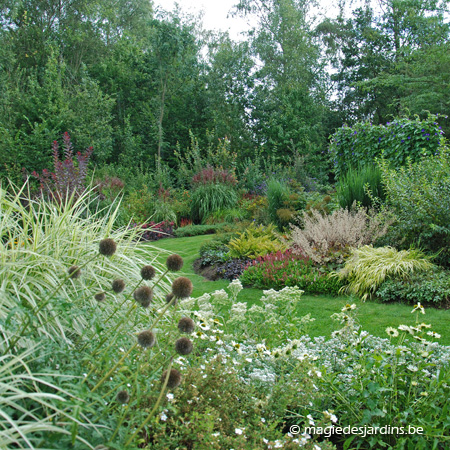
(322, 235)
(369, 267)
(52, 251)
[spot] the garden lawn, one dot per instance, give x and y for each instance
(373, 317)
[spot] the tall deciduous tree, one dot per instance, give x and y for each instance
(230, 83)
(288, 103)
(381, 55)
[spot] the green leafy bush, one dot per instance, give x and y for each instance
(163, 212)
(255, 241)
(419, 196)
(228, 216)
(198, 230)
(208, 198)
(277, 194)
(353, 185)
(396, 141)
(368, 267)
(425, 288)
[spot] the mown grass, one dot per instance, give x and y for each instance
(373, 317)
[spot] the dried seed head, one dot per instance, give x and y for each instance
(147, 272)
(74, 272)
(100, 296)
(182, 287)
(123, 397)
(186, 325)
(170, 297)
(183, 346)
(107, 247)
(146, 339)
(174, 378)
(174, 262)
(143, 296)
(118, 286)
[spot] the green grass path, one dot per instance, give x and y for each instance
(374, 317)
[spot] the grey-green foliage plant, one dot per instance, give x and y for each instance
(277, 194)
(419, 196)
(209, 198)
(361, 185)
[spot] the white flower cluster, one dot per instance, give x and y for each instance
(237, 313)
(235, 287)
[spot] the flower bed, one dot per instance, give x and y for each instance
(154, 231)
(277, 270)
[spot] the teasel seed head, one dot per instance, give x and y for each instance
(74, 272)
(148, 272)
(182, 287)
(123, 397)
(107, 247)
(186, 325)
(143, 295)
(118, 286)
(174, 378)
(146, 339)
(100, 296)
(183, 346)
(170, 297)
(174, 262)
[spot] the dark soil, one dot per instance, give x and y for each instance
(208, 272)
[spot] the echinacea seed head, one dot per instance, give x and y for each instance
(123, 397)
(183, 346)
(107, 247)
(118, 286)
(143, 295)
(171, 298)
(100, 296)
(186, 325)
(174, 378)
(147, 272)
(146, 339)
(174, 262)
(182, 287)
(74, 272)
